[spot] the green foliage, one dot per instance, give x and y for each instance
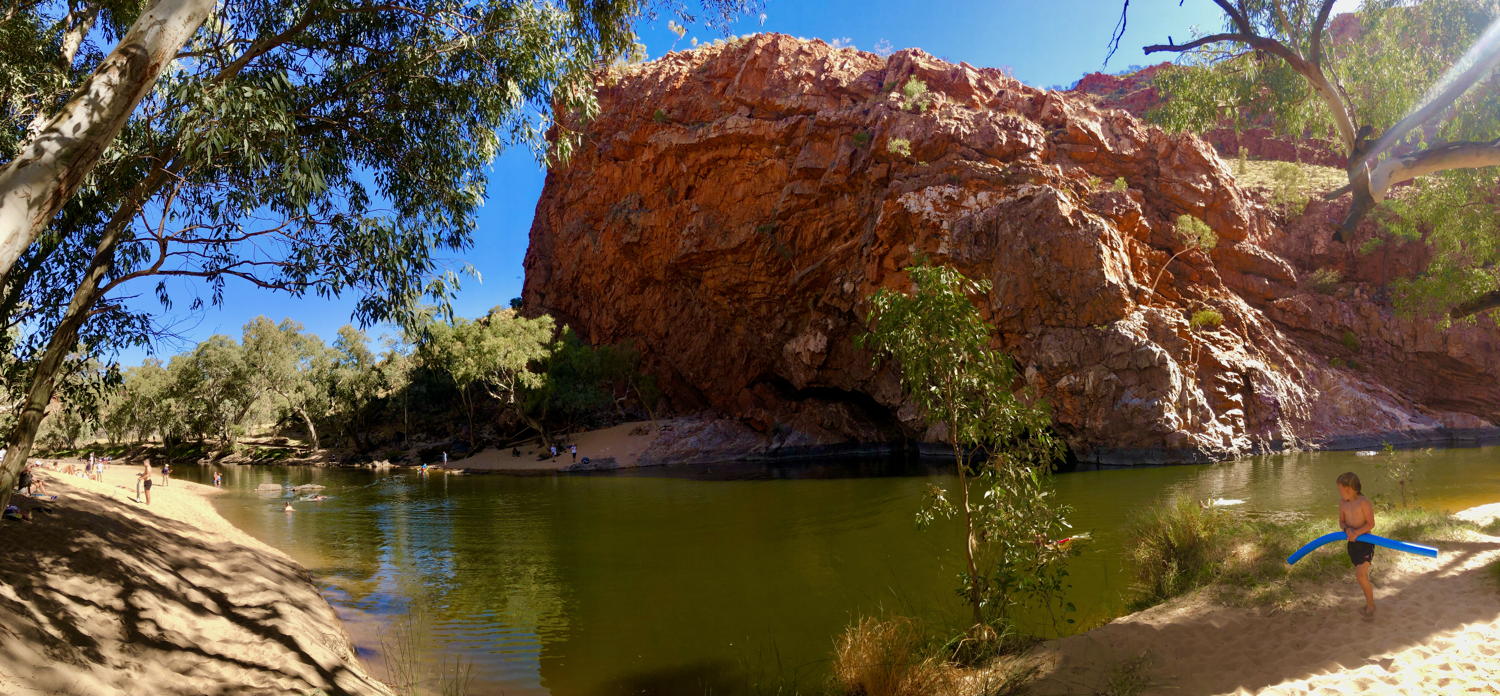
(1386, 68)
(861, 139)
(1349, 340)
(914, 96)
(1453, 213)
(1183, 546)
(1120, 185)
(1095, 183)
(1000, 436)
(1325, 280)
(1206, 319)
(1290, 187)
(1195, 233)
(1399, 467)
(659, 116)
(1176, 548)
(900, 147)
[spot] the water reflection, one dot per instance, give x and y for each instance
(647, 583)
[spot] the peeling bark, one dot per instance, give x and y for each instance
(50, 166)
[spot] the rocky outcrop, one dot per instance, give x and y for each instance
(733, 207)
(1134, 92)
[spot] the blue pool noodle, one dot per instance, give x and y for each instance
(1331, 537)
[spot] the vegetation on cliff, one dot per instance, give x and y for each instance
(1410, 92)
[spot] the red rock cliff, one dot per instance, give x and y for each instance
(733, 206)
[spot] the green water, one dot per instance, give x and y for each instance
(657, 584)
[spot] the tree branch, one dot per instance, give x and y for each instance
(1317, 33)
(1342, 118)
(1487, 301)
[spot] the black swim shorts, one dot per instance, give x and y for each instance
(148, 484)
(1361, 552)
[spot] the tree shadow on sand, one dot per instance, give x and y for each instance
(151, 604)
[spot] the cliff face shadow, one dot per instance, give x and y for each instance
(104, 596)
(1196, 646)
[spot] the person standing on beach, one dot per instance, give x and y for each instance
(145, 481)
(573, 450)
(1356, 517)
(553, 450)
(166, 473)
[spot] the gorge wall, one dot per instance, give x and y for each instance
(733, 206)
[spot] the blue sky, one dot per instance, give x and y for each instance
(1043, 43)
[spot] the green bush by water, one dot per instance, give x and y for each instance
(1176, 548)
(1184, 545)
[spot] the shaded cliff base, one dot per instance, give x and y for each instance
(1437, 630)
(689, 441)
(105, 596)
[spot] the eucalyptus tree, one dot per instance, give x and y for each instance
(500, 354)
(1407, 90)
(215, 385)
(317, 146)
(290, 366)
(944, 352)
(355, 381)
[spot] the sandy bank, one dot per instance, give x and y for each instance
(616, 447)
(107, 596)
(1437, 632)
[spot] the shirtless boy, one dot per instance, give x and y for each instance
(1356, 517)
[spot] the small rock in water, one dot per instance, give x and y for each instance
(1366, 453)
(1224, 502)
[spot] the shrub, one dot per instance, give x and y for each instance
(1176, 548)
(1128, 678)
(1195, 233)
(1324, 280)
(889, 657)
(1289, 187)
(1399, 468)
(1350, 341)
(914, 95)
(861, 139)
(901, 147)
(1121, 185)
(659, 116)
(1206, 319)
(1095, 183)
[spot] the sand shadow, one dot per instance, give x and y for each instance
(102, 582)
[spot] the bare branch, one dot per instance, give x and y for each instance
(1317, 33)
(1119, 32)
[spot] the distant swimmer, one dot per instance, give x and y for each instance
(287, 508)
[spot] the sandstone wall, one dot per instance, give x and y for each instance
(733, 207)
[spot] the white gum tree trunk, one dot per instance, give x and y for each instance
(51, 164)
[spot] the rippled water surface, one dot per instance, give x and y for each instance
(723, 582)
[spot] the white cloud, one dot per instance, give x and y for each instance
(844, 42)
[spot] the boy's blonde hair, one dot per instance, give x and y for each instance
(1350, 479)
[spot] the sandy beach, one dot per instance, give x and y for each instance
(1437, 631)
(615, 447)
(106, 596)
